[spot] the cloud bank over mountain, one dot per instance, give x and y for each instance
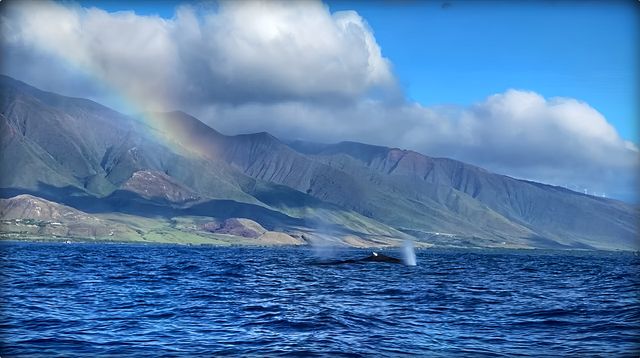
(240, 52)
(300, 71)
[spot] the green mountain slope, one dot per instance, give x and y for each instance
(77, 152)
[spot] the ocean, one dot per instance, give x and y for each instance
(87, 300)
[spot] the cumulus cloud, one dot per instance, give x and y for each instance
(238, 53)
(300, 71)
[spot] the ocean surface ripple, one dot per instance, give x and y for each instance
(82, 300)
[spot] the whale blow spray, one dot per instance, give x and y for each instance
(408, 253)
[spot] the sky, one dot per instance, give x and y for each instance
(537, 90)
(584, 50)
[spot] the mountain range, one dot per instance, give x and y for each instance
(172, 175)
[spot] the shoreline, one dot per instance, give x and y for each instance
(85, 241)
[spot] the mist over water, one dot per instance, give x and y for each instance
(83, 300)
(324, 249)
(408, 253)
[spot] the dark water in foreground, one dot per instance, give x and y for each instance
(134, 300)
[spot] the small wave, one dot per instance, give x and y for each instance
(152, 301)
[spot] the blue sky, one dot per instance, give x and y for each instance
(461, 52)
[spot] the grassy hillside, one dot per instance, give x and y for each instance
(83, 155)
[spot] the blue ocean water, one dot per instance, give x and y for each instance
(143, 300)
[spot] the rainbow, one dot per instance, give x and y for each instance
(136, 100)
(173, 133)
(176, 134)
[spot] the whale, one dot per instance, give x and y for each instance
(374, 257)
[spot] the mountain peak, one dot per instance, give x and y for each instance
(11, 87)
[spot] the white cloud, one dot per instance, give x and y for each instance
(299, 71)
(559, 141)
(242, 52)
